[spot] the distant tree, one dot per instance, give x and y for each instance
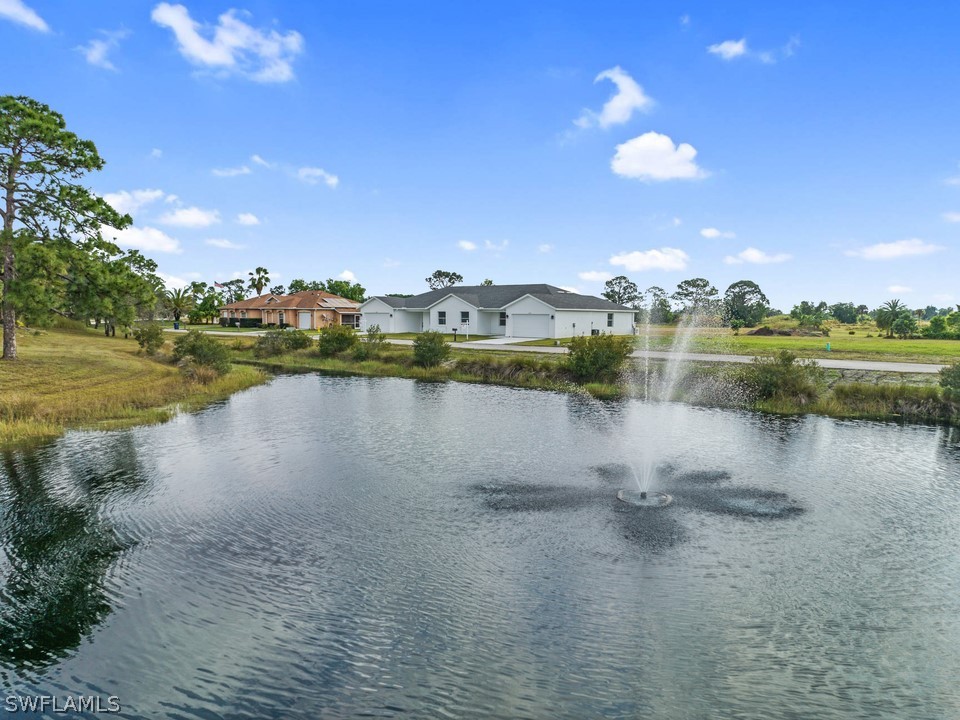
(887, 314)
(345, 289)
(658, 306)
(399, 295)
(488, 282)
(259, 279)
(809, 314)
(234, 290)
(299, 285)
(50, 221)
(180, 302)
(198, 290)
(696, 295)
(904, 325)
(862, 310)
(744, 300)
(278, 290)
(929, 312)
(621, 290)
(845, 313)
(443, 278)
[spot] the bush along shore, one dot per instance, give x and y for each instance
(75, 378)
(600, 366)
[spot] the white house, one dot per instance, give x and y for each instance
(522, 311)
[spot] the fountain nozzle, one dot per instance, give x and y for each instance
(643, 494)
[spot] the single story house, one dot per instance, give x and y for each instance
(305, 310)
(523, 311)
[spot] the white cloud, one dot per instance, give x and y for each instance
(495, 247)
(232, 46)
(756, 257)
(19, 12)
(653, 156)
(248, 219)
(260, 161)
(594, 276)
(897, 249)
(570, 289)
(729, 49)
(390, 262)
(96, 50)
(952, 217)
(467, 245)
(348, 276)
(713, 233)
(621, 106)
(143, 238)
(545, 248)
(172, 281)
(677, 222)
(955, 180)
(231, 172)
(685, 20)
(663, 259)
(899, 289)
(313, 175)
(127, 201)
(156, 153)
(193, 217)
(790, 49)
(224, 244)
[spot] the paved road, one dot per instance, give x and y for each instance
(828, 363)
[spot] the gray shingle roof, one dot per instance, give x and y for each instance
(498, 296)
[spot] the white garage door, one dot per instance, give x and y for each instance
(303, 320)
(531, 326)
(381, 319)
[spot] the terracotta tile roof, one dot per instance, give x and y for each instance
(304, 300)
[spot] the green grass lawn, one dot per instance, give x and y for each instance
(448, 336)
(79, 378)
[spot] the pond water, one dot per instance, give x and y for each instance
(341, 547)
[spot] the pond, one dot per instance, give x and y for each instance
(339, 547)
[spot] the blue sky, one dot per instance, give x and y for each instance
(812, 148)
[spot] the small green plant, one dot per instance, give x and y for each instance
(199, 349)
(149, 337)
(782, 376)
(597, 357)
(950, 381)
(737, 325)
(375, 339)
(430, 348)
(336, 339)
(278, 342)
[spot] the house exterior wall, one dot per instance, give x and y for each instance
(407, 320)
(488, 323)
(586, 320)
(377, 312)
(452, 306)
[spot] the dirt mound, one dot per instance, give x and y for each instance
(765, 331)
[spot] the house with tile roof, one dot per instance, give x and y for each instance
(305, 310)
(522, 311)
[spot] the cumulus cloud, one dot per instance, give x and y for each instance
(348, 276)
(897, 249)
(663, 259)
(594, 276)
(260, 161)
(224, 244)
(97, 50)
(129, 201)
(621, 105)
(756, 257)
(654, 157)
(156, 153)
(729, 49)
(248, 219)
(713, 233)
(20, 12)
(147, 239)
(232, 46)
(467, 245)
(191, 217)
(495, 247)
(314, 175)
(172, 281)
(545, 248)
(899, 289)
(952, 217)
(231, 172)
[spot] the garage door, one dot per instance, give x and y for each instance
(381, 319)
(531, 326)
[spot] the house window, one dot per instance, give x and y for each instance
(243, 313)
(503, 319)
(441, 317)
(281, 317)
(609, 319)
(464, 317)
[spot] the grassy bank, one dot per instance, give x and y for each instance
(79, 378)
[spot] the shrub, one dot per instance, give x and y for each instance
(782, 376)
(737, 325)
(375, 339)
(198, 348)
(430, 349)
(950, 381)
(597, 357)
(278, 342)
(149, 337)
(336, 339)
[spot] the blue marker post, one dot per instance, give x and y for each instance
(828, 347)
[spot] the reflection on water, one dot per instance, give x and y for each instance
(339, 547)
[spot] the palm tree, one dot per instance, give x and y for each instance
(887, 315)
(179, 301)
(259, 279)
